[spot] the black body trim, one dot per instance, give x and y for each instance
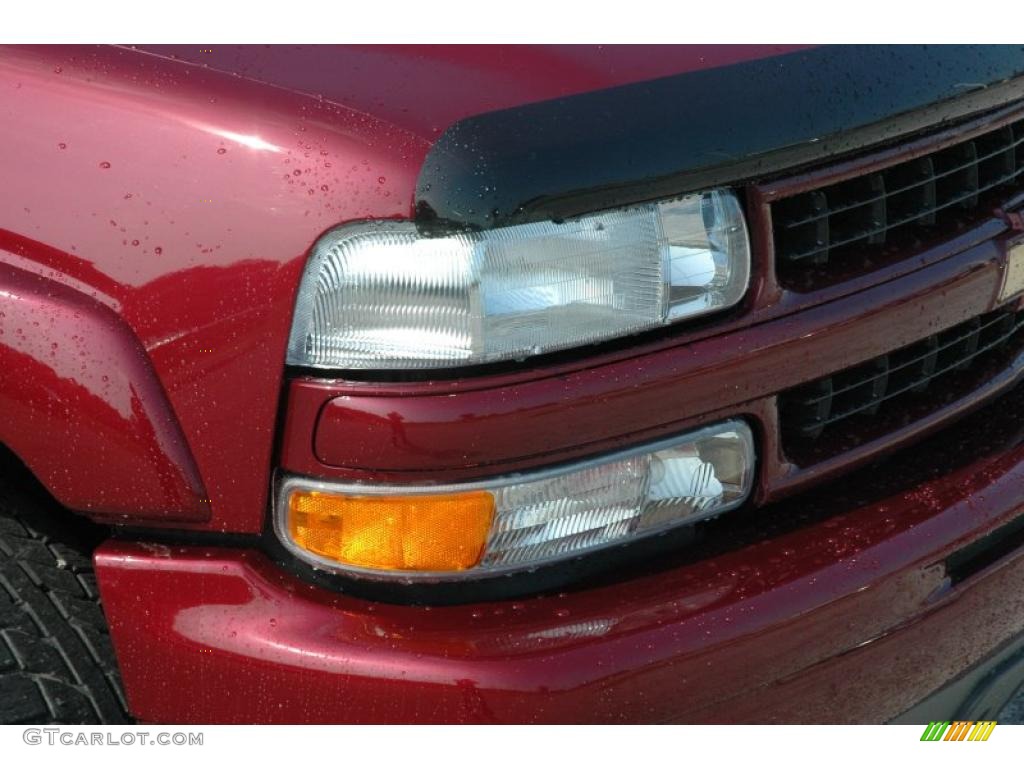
(678, 134)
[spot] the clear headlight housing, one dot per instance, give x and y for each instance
(382, 296)
(518, 522)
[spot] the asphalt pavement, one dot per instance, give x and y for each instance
(1013, 713)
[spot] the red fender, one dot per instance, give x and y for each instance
(75, 380)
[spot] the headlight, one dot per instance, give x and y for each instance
(520, 522)
(382, 296)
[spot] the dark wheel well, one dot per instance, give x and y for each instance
(19, 479)
(57, 663)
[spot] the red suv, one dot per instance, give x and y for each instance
(511, 384)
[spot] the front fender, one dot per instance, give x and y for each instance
(83, 409)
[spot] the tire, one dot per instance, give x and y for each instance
(57, 664)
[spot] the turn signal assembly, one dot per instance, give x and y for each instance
(516, 522)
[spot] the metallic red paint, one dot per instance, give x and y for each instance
(408, 85)
(543, 412)
(185, 198)
(849, 618)
(76, 386)
(164, 207)
(476, 427)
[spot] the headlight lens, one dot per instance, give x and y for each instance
(381, 296)
(520, 522)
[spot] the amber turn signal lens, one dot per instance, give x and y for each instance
(443, 532)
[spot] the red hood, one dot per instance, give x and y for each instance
(424, 88)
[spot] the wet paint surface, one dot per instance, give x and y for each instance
(179, 202)
(184, 198)
(701, 129)
(836, 608)
(184, 201)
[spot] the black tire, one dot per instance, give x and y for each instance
(57, 664)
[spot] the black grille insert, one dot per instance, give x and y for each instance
(856, 405)
(855, 226)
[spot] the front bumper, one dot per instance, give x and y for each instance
(852, 605)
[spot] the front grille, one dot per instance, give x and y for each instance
(842, 230)
(857, 405)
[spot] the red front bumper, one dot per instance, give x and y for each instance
(852, 616)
